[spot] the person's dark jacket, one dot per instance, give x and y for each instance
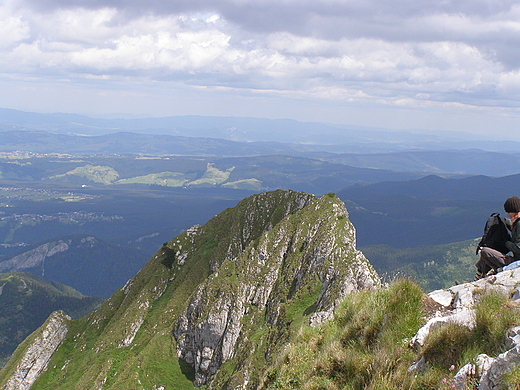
(514, 244)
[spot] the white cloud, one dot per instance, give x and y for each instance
(13, 28)
(404, 53)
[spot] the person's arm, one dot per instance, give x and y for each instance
(514, 244)
(513, 247)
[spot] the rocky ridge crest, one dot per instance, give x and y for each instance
(215, 303)
(311, 250)
(39, 351)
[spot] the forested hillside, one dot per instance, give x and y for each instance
(25, 303)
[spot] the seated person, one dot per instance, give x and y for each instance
(491, 259)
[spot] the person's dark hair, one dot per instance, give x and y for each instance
(512, 205)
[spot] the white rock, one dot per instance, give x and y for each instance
(38, 354)
(513, 336)
(463, 317)
(492, 376)
(464, 298)
(442, 297)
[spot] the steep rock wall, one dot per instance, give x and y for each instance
(309, 256)
(38, 353)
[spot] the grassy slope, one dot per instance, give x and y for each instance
(93, 349)
(365, 346)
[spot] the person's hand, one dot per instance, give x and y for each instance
(514, 218)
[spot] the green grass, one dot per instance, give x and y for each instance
(167, 179)
(94, 173)
(245, 184)
(365, 346)
(212, 176)
(367, 335)
(511, 380)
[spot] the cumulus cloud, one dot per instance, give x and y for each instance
(395, 52)
(13, 28)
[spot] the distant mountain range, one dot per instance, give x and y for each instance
(240, 173)
(308, 136)
(427, 211)
(440, 162)
(84, 262)
(479, 188)
(463, 162)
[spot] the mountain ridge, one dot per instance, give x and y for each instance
(327, 136)
(91, 265)
(27, 300)
(314, 242)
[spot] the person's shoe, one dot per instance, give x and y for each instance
(479, 275)
(491, 272)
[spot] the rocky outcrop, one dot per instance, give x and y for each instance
(38, 352)
(310, 253)
(34, 258)
(230, 292)
(493, 369)
(457, 305)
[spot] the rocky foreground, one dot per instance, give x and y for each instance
(457, 305)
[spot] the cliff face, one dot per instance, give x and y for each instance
(38, 352)
(215, 303)
(306, 262)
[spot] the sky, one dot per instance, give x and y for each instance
(397, 64)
